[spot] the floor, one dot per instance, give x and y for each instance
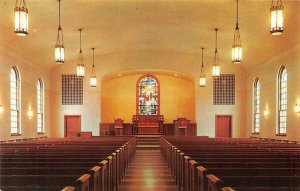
(148, 171)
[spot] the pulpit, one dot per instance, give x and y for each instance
(181, 127)
(148, 124)
(119, 126)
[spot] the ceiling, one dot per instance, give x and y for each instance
(130, 26)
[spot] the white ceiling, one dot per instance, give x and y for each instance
(130, 26)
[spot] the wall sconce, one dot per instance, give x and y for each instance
(1, 108)
(297, 108)
(30, 113)
(266, 112)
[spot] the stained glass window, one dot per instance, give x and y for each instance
(148, 96)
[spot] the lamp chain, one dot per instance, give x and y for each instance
(59, 14)
(216, 50)
(237, 14)
(80, 39)
(93, 57)
(202, 56)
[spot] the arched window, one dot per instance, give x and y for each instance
(148, 95)
(15, 101)
(40, 106)
(282, 100)
(256, 106)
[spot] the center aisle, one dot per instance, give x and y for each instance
(148, 171)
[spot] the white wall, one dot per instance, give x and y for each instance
(89, 111)
(29, 77)
(206, 111)
(267, 74)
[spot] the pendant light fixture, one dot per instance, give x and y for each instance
(276, 18)
(202, 80)
(216, 69)
(21, 18)
(59, 46)
(80, 64)
(237, 46)
(93, 79)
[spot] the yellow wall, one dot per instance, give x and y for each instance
(267, 74)
(118, 98)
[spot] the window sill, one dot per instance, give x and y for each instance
(255, 133)
(281, 135)
(41, 133)
(15, 134)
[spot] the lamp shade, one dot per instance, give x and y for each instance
(216, 71)
(202, 81)
(237, 54)
(93, 81)
(59, 54)
(276, 18)
(21, 18)
(80, 70)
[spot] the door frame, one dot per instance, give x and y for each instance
(230, 128)
(65, 123)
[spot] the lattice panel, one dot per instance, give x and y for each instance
(72, 90)
(224, 90)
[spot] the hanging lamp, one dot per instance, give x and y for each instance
(93, 79)
(202, 79)
(80, 64)
(237, 46)
(59, 46)
(276, 18)
(216, 69)
(21, 18)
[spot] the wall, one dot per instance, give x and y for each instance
(118, 96)
(206, 111)
(29, 77)
(267, 75)
(89, 111)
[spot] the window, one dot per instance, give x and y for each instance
(15, 101)
(282, 101)
(256, 107)
(40, 106)
(148, 95)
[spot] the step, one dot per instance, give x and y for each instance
(147, 147)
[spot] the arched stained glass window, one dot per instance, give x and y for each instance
(256, 106)
(40, 106)
(282, 100)
(148, 95)
(15, 101)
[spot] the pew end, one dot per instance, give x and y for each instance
(201, 178)
(68, 188)
(214, 183)
(83, 183)
(95, 178)
(227, 189)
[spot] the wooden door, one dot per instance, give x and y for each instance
(72, 125)
(223, 126)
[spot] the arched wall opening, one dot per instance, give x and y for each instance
(118, 95)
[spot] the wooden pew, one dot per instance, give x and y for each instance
(223, 156)
(106, 176)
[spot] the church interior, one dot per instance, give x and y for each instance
(187, 95)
